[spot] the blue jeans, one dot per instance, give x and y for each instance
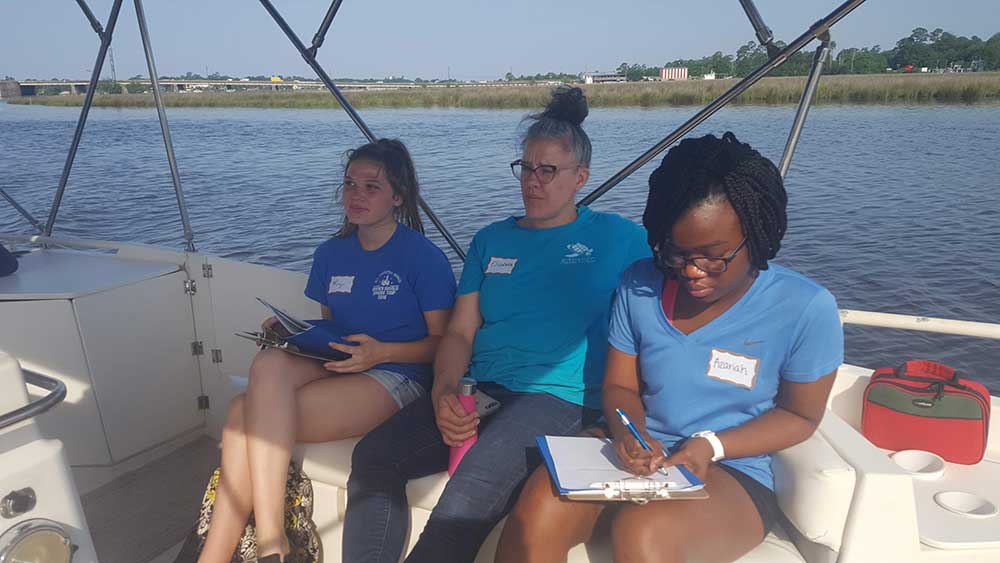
(480, 494)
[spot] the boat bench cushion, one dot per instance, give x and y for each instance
(815, 487)
(330, 463)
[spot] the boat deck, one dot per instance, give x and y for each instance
(144, 516)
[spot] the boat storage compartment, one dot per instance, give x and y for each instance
(119, 333)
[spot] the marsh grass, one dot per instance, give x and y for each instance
(856, 89)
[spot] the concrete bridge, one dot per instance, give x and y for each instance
(13, 88)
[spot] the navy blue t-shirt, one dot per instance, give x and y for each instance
(384, 292)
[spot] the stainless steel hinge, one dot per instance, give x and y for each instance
(190, 287)
(216, 356)
(203, 402)
(206, 270)
(197, 348)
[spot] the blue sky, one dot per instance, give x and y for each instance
(471, 39)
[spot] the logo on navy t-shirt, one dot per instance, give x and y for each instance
(386, 285)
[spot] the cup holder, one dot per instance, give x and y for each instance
(921, 464)
(966, 504)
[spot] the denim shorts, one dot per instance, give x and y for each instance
(403, 389)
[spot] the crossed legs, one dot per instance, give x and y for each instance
(288, 399)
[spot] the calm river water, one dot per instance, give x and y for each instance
(893, 208)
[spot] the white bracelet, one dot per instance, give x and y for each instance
(718, 452)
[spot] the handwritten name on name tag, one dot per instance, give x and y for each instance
(733, 368)
(501, 265)
(341, 284)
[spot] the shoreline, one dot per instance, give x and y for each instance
(969, 88)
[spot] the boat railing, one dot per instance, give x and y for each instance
(56, 393)
(919, 323)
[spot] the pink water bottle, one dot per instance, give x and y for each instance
(466, 396)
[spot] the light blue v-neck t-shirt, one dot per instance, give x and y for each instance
(545, 295)
(726, 373)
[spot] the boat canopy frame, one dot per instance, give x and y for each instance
(777, 56)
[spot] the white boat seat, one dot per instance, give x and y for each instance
(329, 464)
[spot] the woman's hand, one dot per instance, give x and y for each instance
(367, 353)
(696, 454)
(637, 459)
(455, 424)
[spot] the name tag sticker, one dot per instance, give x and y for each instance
(501, 265)
(733, 368)
(341, 284)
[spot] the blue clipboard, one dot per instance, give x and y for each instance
(696, 487)
(316, 340)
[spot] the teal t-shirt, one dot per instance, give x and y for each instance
(545, 296)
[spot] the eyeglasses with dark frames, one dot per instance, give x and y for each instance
(707, 264)
(544, 172)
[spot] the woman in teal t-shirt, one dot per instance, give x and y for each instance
(530, 323)
(715, 354)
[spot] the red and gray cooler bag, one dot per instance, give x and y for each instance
(924, 405)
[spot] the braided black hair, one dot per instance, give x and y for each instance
(395, 160)
(709, 168)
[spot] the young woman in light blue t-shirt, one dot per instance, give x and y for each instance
(387, 289)
(718, 356)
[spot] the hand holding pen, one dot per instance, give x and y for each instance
(640, 453)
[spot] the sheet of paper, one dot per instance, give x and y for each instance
(582, 461)
(291, 324)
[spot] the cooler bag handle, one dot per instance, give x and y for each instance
(927, 368)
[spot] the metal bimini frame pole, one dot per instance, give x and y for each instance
(309, 55)
(764, 35)
(164, 126)
(87, 101)
(317, 41)
(819, 29)
(94, 22)
(808, 95)
(24, 212)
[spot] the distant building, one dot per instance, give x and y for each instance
(709, 76)
(674, 73)
(602, 77)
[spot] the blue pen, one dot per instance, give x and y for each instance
(631, 428)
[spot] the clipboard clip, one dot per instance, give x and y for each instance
(639, 491)
(266, 339)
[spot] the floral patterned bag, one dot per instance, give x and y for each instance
(299, 527)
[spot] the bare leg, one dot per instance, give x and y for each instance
(324, 409)
(721, 528)
(270, 419)
(543, 526)
(233, 495)
(341, 407)
(296, 401)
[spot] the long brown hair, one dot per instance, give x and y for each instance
(395, 160)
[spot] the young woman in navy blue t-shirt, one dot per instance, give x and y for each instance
(388, 290)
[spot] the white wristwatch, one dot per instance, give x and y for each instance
(718, 452)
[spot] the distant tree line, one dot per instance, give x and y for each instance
(540, 77)
(936, 49)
